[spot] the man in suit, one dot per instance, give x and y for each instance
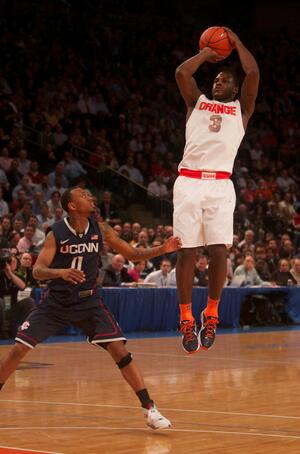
(116, 273)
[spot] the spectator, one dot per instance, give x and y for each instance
(45, 188)
(18, 226)
(118, 229)
(286, 208)
(54, 202)
(59, 171)
(10, 285)
(286, 250)
(60, 138)
(116, 274)
(161, 277)
(24, 271)
(25, 186)
(59, 214)
(106, 256)
(38, 237)
(157, 191)
(72, 167)
(34, 174)
(108, 210)
(37, 202)
(134, 174)
(26, 243)
(45, 217)
(3, 240)
(5, 159)
(25, 213)
(201, 271)
(6, 226)
(284, 181)
(283, 276)
(248, 240)
(58, 185)
(246, 275)
(136, 272)
(295, 270)
(126, 232)
(3, 205)
(262, 266)
(3, 180)
(136, 228)
(14, 177)
(142, 240)
(23, 162)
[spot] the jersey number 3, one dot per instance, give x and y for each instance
(77, 263)
(216, 121)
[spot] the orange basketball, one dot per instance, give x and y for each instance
(217, 39)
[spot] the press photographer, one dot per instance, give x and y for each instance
(13, 310)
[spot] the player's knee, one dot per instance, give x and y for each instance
(185, 254)
(217, 251)
(124, 361)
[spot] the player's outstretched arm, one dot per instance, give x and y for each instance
(136, 254)
(184, 75)
(42, 270)
(250, 84)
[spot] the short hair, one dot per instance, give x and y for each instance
(66, 199)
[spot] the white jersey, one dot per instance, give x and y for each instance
(214, 132)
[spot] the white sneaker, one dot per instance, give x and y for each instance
(155, 420)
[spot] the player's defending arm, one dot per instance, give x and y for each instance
(136, 254)
(184, 75)
(250, 84)
(42, 270)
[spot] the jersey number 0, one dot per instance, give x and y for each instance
(77, 263)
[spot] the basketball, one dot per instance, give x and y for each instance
(217, 39)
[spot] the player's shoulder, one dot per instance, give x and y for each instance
(58, 226)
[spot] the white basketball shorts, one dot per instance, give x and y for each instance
(203, 211)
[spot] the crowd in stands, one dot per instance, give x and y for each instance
(71, 106)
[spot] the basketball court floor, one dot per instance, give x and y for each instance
(242, 396)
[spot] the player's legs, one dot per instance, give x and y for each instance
(216, 277)
(218, 233)
(217, 271)
(41, 323)
(187, 220)
(11, 360)
(103, 331)
(185, 278)
(134, 378)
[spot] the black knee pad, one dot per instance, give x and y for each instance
(124, 361)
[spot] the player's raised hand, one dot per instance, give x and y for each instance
(233, 37)
(211, 56)
(72, 275)
(172, 244)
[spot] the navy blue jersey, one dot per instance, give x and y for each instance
(81, 251)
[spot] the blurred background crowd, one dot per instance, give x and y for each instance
(88, 97)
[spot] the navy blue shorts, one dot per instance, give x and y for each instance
(97, 323)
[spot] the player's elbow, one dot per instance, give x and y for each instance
(180, 73)
(35, 273)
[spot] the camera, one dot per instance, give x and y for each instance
(5, 257)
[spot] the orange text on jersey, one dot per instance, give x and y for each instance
(218, 108)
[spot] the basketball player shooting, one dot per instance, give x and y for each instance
(69, 260)
(204, 196)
